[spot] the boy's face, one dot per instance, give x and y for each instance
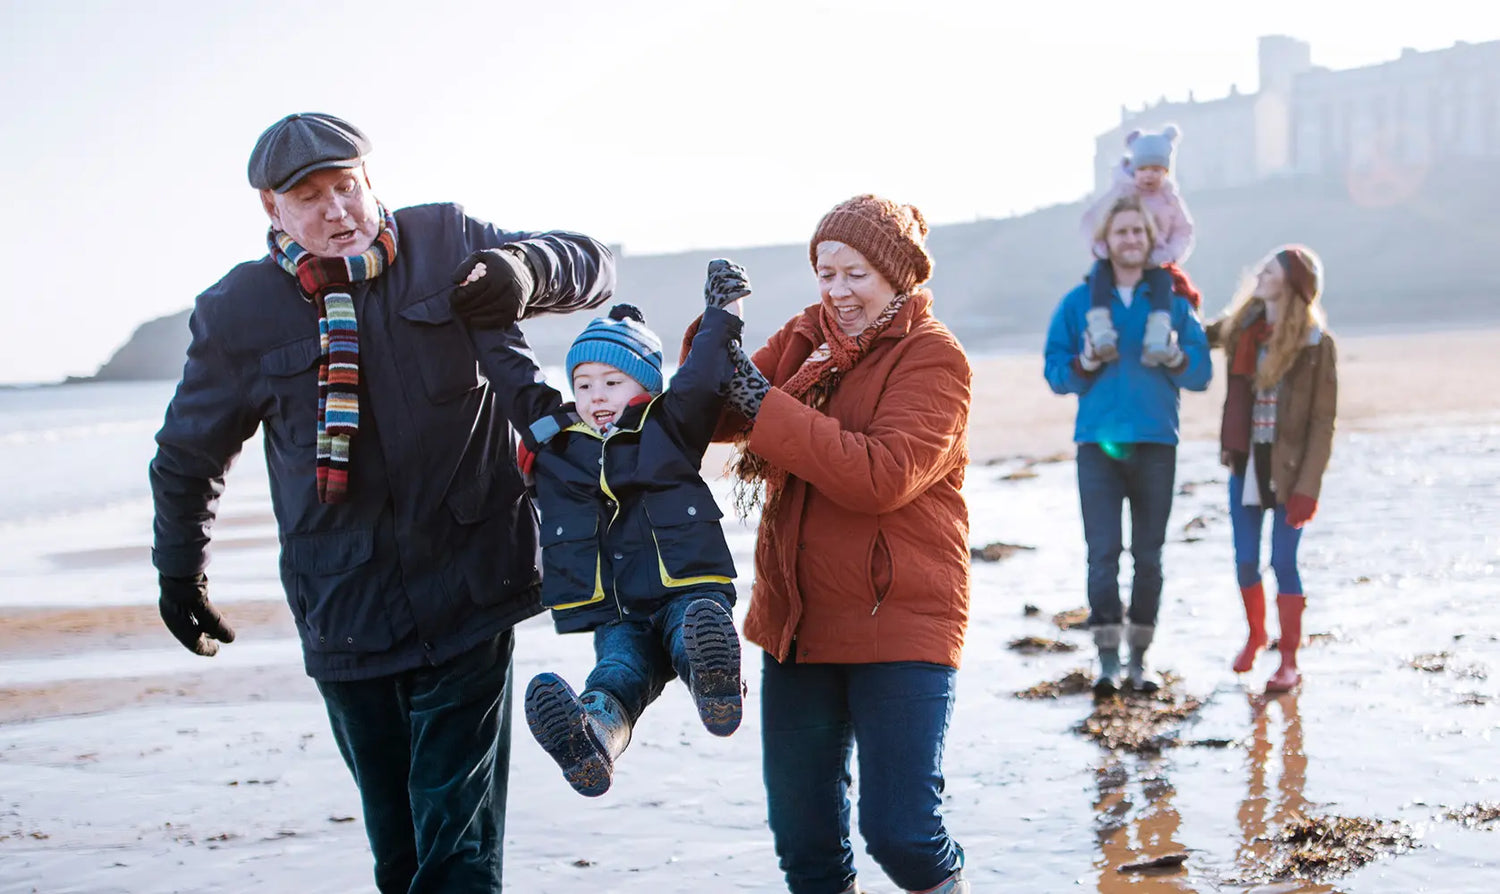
(602, 393)
(1149, 177)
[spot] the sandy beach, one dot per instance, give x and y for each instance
(128, 765)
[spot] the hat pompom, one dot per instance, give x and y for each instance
(626, 312)
(921, 221)
(1171, 132)
(1132, 136)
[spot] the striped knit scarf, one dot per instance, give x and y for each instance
(813, 384)
(325, 282)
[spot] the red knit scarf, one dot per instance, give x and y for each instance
(813, 384)
(1239, 391)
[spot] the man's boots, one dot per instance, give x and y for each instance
(1107, 641)
(1254, 598)
(584, 734)
(1286, 677)
(1139, 637)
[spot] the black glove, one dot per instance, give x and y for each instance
(497, 297)
(190, 616)
(726, 283)
(747, 387)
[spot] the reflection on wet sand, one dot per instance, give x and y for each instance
(1129, 836)
(1137, 823)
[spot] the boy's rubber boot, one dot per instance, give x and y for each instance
(1102, 334)
(1289, 608)
(953, 884)
(713, 654)
(1139, 637)
(584, 734)
(1156, 348)
(1254, 598)
(1107, 641)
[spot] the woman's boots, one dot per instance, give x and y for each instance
(1255, 613)
(1289, 608)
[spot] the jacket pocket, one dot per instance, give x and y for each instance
(570, 560)
(440, 349)
(291, 375)
(339, 614)
(689, 541)
(882, 569)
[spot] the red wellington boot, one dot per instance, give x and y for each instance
(1286, 677)
(1255, 613)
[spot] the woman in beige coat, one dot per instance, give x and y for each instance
(1276, 436)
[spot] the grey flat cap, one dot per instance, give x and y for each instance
(302, 143)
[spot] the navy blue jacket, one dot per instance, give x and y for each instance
(627, 520)
(435, 550)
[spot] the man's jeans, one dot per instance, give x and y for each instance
(634, 659)
(1143, 474)
(430, 752)
(1246, 522)
(812, 715)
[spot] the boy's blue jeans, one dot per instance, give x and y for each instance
(1247, 522)
(635, 658)
(812, 716)
(1143, 474)
(430, 752)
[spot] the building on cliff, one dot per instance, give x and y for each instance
(1392, 119)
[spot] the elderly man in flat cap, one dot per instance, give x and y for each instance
(408, 543)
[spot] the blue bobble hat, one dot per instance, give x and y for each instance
(1152, 148)
(620, 340)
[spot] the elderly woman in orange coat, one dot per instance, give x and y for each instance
(852, 426)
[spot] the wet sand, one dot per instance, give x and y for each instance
(1396, 722)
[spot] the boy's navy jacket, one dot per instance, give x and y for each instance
(627, 520)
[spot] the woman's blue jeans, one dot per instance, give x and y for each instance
(1247, 524)
(430, 752)
(812, 717)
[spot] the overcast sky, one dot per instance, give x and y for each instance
(657, 125)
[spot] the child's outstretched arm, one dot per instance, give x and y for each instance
(697, 391)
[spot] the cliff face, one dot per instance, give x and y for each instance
(1398, 252)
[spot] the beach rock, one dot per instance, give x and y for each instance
(1035, 645)
(1166, 861)
(1030, 610)
(1483, 815)
(1073, 619)
(1074, 682)
(996, 551)
(1328, 846)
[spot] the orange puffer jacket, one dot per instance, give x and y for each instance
(867, 556)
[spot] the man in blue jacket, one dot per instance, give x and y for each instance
(1126, 430)
(408, 544)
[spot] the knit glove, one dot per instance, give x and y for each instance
(186, 611)
(726, 283)
(1300, 510)
(747, 387)
(492, 288)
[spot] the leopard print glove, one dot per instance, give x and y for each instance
(726, 283)
(747, 387)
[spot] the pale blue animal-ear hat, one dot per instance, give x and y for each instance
(1153, 148)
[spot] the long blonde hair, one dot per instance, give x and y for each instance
(1123, 204)
(1302, 311)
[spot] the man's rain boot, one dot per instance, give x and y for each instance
(953, 884)
(713, 653)
(1107, 641)
(584, 734)
(1289, 608)
(1254, 598)
(1139, 637)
